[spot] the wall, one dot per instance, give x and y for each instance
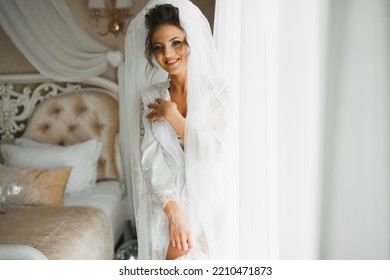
(13, 62)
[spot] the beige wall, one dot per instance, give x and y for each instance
(12, 61)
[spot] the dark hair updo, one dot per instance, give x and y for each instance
(156, 17)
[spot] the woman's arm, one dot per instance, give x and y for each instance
(167, 110)
(159, 180)
(157, 175)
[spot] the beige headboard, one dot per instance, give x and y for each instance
(77, 117)
(62, 113)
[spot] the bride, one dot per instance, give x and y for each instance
(181, 197)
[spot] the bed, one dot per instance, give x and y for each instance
(59, 147)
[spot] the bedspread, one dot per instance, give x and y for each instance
(71, 233)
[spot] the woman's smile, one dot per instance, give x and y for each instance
(171, 62)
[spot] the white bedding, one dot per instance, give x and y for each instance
(106, 195)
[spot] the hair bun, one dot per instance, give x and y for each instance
(162, 14)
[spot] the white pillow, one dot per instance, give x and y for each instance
(82, 157)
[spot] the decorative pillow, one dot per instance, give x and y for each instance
(82, 157)
(39, 186)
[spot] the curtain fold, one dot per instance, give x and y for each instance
(125, 107)
(230, 70)
(240, 34)
(279, 92)
(50, 38)
(314, 125)
(356, 172)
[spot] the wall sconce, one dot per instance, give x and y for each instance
(116, 12)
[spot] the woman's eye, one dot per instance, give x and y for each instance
(176, 43)
(157, 48)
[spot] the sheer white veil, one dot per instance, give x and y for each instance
(206, 137)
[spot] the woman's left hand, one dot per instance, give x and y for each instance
(179, 234)
(162, 110)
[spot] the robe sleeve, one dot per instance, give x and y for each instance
(157, 175)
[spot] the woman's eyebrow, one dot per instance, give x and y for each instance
(174, 38)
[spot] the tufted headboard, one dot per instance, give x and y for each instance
(77, 117)
(63, 114)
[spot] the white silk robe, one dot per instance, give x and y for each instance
(164, 172)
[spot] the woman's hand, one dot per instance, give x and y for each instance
(167, 110)
(178, 230)
(162, 110)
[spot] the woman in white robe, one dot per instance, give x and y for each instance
(182, 203)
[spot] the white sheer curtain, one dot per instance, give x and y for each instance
(245, 67)
(50, 38)
(313, 125)
(356, 200)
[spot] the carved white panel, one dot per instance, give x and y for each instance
(17, 106)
